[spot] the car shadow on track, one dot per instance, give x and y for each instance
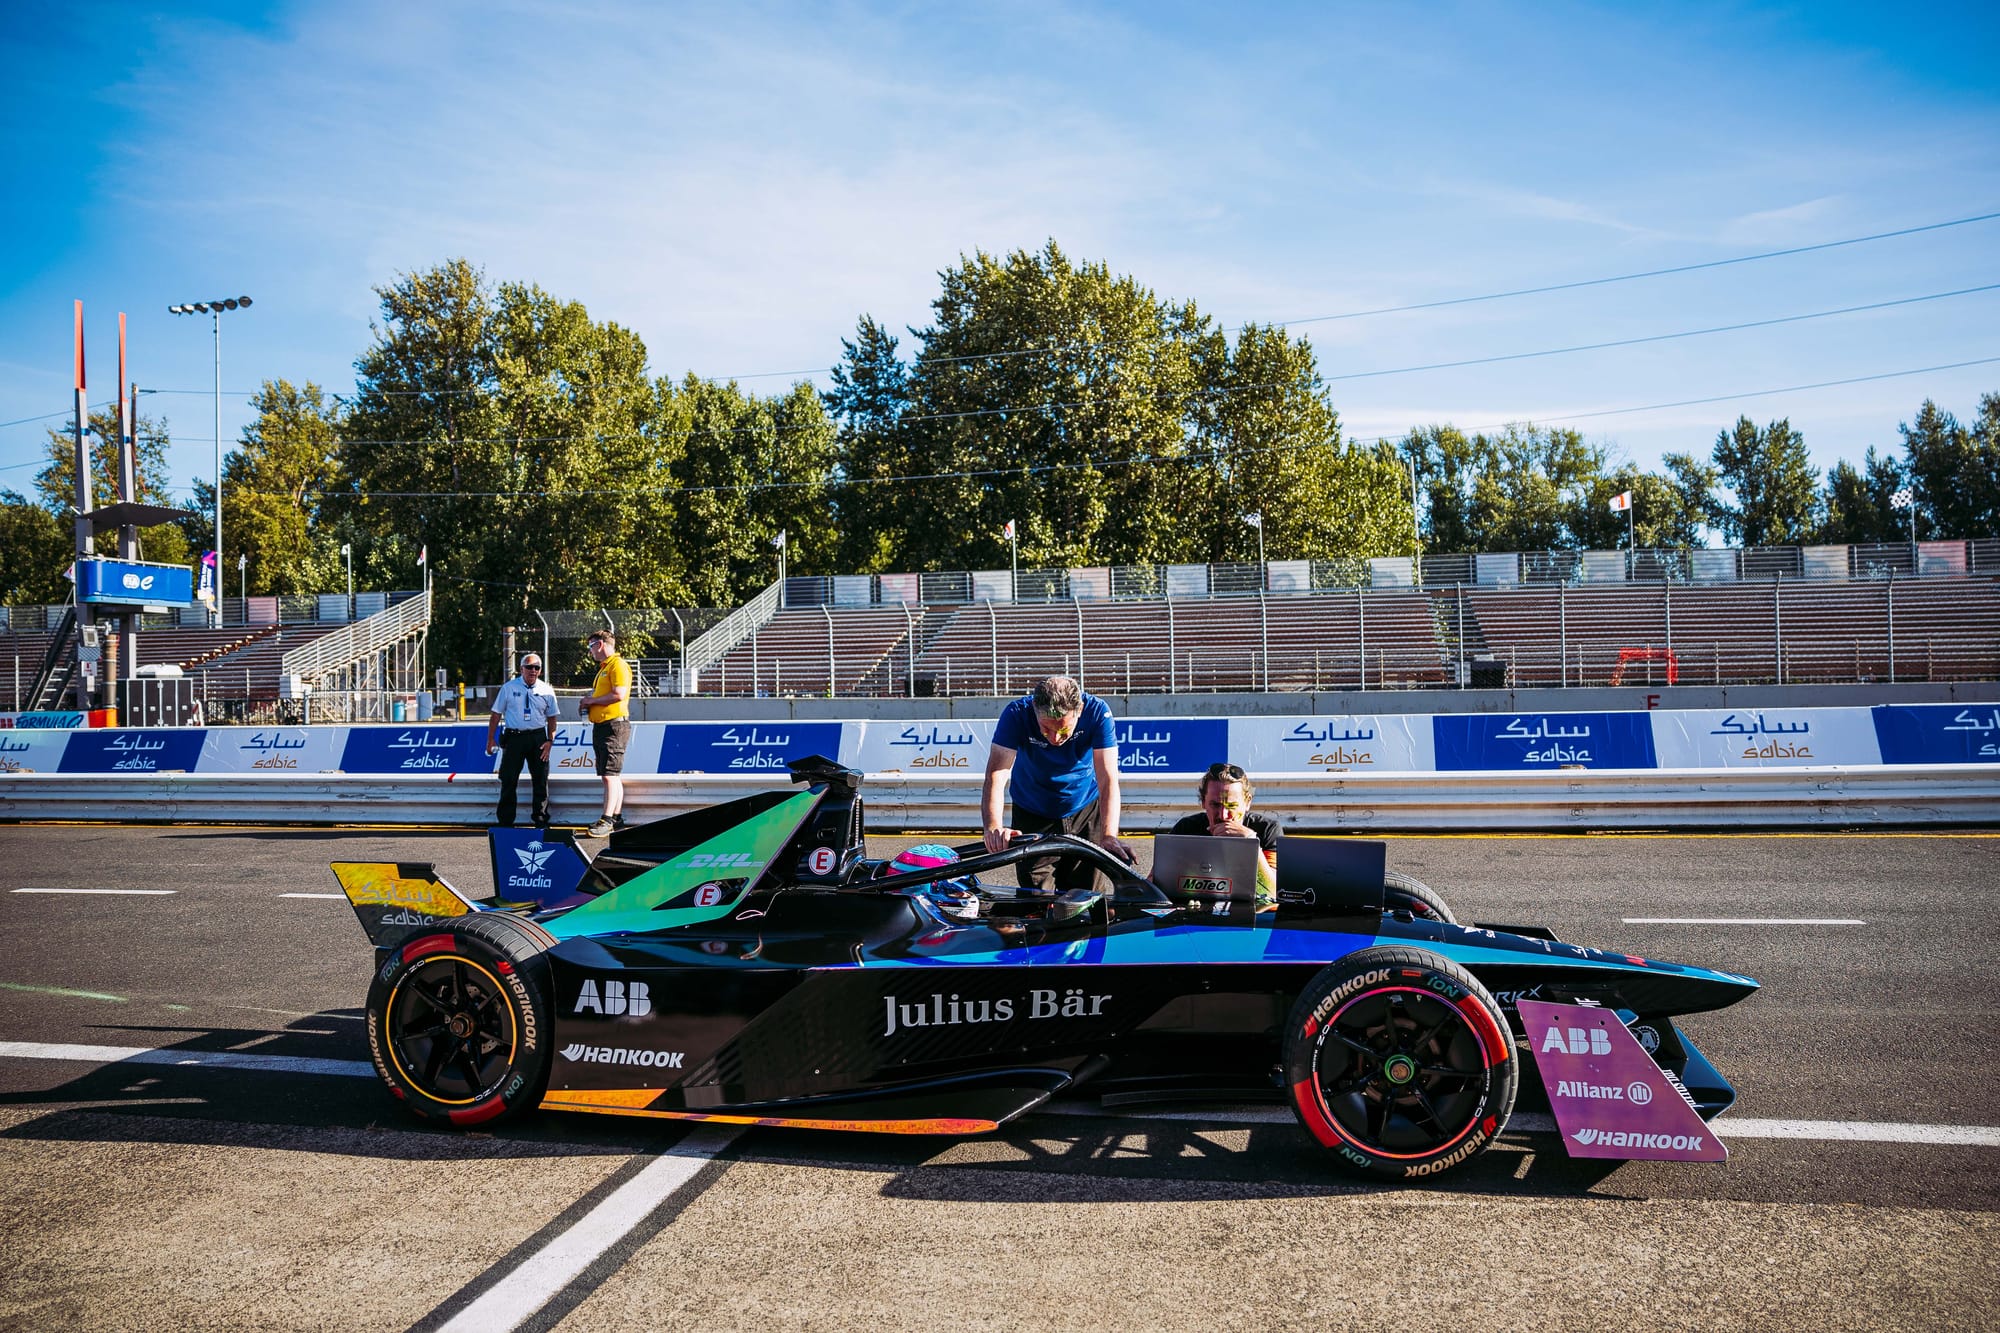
(349, 1112)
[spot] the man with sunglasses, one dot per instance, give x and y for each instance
(1225, 813)
(1056, 753)
(527, 708)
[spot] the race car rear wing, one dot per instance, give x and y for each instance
(389, 897)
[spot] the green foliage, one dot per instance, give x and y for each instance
(1111, 426)
(1955, 471)
(1858, 503)
(1777, 488)
(1529, 488)
(35, 548)
(277, 486)
(167, 543)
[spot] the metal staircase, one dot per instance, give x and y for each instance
(715, 645)
(59, 663)
(368, 660)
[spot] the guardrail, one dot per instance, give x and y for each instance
(1831, 797)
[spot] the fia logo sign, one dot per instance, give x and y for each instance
(619, 997)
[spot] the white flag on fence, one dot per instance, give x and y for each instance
(1621, 502)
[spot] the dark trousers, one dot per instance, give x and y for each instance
(517, 748)
(1053, 874)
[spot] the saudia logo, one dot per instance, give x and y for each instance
(1581, 1042)
(942, 1011)
(620, 997)
(619, 1055)
(533, 857)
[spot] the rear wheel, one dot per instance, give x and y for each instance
(1400, 1063)
(1406, 893)
(459, 1020)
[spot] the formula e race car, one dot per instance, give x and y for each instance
(749, 963)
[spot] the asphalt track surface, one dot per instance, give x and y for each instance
(248, 1178)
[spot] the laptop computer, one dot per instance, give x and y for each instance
(1331, 873)
(1207, 872)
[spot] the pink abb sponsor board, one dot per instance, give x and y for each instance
(1609, 1097)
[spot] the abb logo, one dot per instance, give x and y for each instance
(1592, 1041)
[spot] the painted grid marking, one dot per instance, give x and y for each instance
(546, 1272)
(1741, 921)
(337, 897)
(147, 893)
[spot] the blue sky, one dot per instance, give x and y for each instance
(739, 183)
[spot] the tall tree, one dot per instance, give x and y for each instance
(35, 548)
(870, 391)
(1859, 503)
(1515, 491)
(277, 483)
(1776, 486)
(1951, 469)
(166, 543)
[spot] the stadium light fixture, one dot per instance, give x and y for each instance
(214, 309)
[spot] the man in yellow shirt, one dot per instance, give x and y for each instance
(608, 728)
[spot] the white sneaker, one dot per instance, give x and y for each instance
(601, 829)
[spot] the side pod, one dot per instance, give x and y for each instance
(389, 897)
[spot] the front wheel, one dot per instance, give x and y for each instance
(1400, 1063)
(1407, 893)
(459, 1020)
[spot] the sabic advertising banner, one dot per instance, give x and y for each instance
(1764, 737)
(1471, 742)
(1171, 744)
(921, 747)
(1399, 743)
(1938, 733)
(32, 751)
(457, 748)
(572, 752)
(272, 749)
(743, 747)
(161, 751)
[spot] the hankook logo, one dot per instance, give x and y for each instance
(578, 1053)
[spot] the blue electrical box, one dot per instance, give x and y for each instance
(133, 583)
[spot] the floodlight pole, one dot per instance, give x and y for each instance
(214, 309)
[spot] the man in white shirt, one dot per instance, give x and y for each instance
(527, 707)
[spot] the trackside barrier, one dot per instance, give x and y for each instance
(1748, 738)
(1611, 799)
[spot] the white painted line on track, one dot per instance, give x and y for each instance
(157, 1055)
(337, 897)
(1527, 1122)
(146, 893)
(1741, 921)
(546, 1272)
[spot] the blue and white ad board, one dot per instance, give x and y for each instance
(932, 746)
(272, 749)
(742, 747)
(1938, 733)
(1170, 744)
(32, 751)
(1764, 737)
(452, 748)
(1397, 743)
(133, 583)
(1484, 741)
(116, 750)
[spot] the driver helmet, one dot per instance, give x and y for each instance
(954, 897)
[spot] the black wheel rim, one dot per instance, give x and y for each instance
(1402, 1071)
(450, 1029)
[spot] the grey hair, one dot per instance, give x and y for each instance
(1057, 695)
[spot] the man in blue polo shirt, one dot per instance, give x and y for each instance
(1056, 753)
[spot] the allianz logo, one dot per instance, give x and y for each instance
(1636, 1093)
(579, 1053)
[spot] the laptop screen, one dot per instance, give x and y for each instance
(1331, 872)
(1195, 866)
